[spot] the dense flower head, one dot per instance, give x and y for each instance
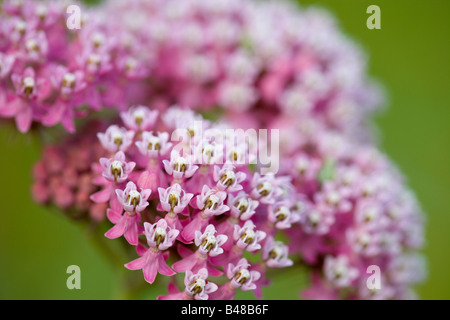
(195, 218)
(65, 177)
(190, 54)
(188, 195)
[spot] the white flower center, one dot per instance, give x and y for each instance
(242, 276)
(208, 242)
(32, 45)
(276, 252)
(174, 198)
(302, 165)
(242, 205)
(94, 59)
(153, 142)
(41, 11)
(116, 168)
(160, 236)
(98, 39)
(28, 82)
(248, 236)
(264, 188)
(228, 178)
(69, 80)
(197, 286)
(28, 85)
(314, 218)
(134, 197)
(364, 239)
(138, 115)
(20, 26)
(333, 198)
(212, 202)
(180, 164)
(370, 214)
(282, 213)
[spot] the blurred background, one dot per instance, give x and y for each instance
(410, 56)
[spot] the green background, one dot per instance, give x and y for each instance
(410, 56)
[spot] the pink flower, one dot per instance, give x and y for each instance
(174, 199)
(306, 168)
(197, 287)
(179, 167)
(210, 202)
(68, 83)
(126, 224)
(139, 118)
(237, 96)
(154, 145)
(131, 199)
(334, 197)
(208, 245)
(317, 220)
(116, 169)
(94, 63)
(242, 206)
(339, 271)
(29, 90)
(281, 215)
(116, 139)
(207, 153)
(264, 188)
(241, 277)
(364, 242)
(246, 238)
(275, 254)
(35, 47)
(227, 179)
(159, 237)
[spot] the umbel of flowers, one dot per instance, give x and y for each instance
(253, 59)
(184, 201)
(201, 210)
(188, 206)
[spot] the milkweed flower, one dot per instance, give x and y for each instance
(197, 287)
(275, 254)
(139, 118)
(159, 237)
(131, 199)
(116, 169)
(116, 139)
(338, 202)
(209, 245)
(240, 277)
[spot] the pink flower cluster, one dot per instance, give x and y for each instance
(64, 177)
(357, 213)
(247, 57)
(339, 202)
(202, 218)
(50, 74)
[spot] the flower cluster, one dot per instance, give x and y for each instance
(203, 217)
(194, 54)
(64, 177)
(185, 200)
(357, 213)
(50, 74)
